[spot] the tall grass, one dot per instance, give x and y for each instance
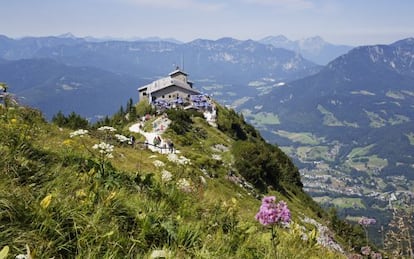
(54, 200)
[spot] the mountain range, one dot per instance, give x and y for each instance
(212, 64)
(52, 86)
(349, 125)
(313, 48)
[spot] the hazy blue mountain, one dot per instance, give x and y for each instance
(351, 123)
(27, 47)
(51, 86)
(365, 90)
(314, 48)
(219, 58)
(150, 39)
(226, 68)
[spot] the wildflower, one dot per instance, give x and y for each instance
(67, 142)
(365, 250)
(79, 132)
(166, 176)
(108, 128)
(121, 138)
(110, 197)
(5, 251)
(80, 193)
(13, 121)
(158, 163)
(366, 221)
(105, 149)
(46, 201)
(271, 213)
(159, 254)
(376, 255)
(184, 185)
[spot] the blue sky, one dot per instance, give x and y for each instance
(353, 22)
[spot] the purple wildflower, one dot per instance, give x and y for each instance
(283, 211)
(271, 213)
(268, 199)
(366, 250)
(366, 221)
(376, 255)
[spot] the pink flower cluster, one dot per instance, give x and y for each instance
(273, 213)
(365, 250)
(366, 221)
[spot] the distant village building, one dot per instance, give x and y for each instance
(174, 88)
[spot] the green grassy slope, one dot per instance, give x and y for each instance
(61, 198)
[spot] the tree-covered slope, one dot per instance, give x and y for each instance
(51, 86)
(349, 129)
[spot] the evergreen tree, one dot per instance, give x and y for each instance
(59, 119)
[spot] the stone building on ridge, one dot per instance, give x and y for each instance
(170, 89)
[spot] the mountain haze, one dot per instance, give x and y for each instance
(224, 67)
(314, 48)
(52, 86)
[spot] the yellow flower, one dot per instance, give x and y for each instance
(13, 121)
(234, 201)
(67, 142)
(4, 252)
(110, 197)
(80, 193)
(46, 201)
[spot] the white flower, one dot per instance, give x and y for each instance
(105, 149)
(158, 163)
(159, 254)
(216, 157)
(121, 138)
(166, 176)
(184, 185)
(79, 132)
(111, 129)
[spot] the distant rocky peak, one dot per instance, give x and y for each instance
(275, 39)
(405, 42)
(67, 35)
(312, 44)
(227, 40)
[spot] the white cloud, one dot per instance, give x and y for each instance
(178, 4)
(289, 4)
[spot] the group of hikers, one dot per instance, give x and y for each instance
(168, 144)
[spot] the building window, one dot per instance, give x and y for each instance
(169, 96)
(188, 95)
(163, 96)
(144, 94)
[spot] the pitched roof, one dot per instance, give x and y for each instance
(177, 71)
(166, 82)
